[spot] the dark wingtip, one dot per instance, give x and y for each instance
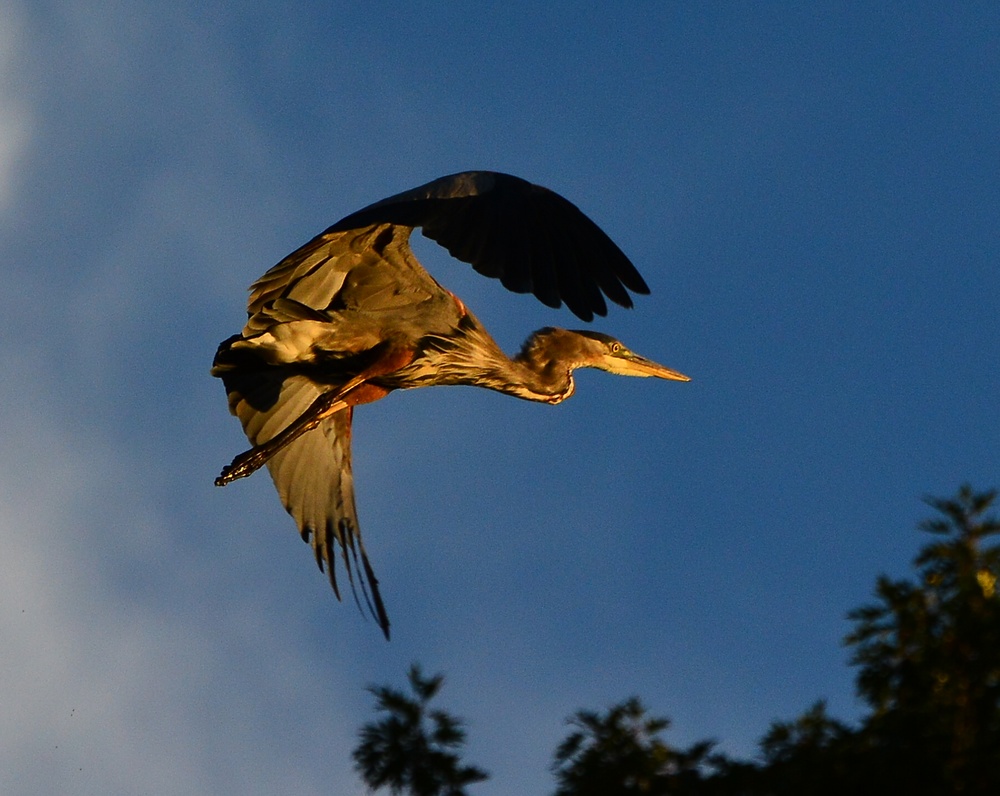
(381, 616)
(333, 582)
(462, 211)
(330, 568)
(583, 313)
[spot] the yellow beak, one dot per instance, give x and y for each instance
(629, 364)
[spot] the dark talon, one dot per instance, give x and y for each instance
(243, 465)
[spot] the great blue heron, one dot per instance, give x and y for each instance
(352, 315)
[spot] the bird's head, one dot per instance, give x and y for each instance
(557, 348)
(606, 353)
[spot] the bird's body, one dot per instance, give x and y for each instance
(352, 316)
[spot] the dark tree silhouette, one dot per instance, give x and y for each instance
(928, 653)
(620, 753)
(810, 754)
(928, 658)
(413, 749)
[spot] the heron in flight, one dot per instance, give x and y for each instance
(351, 316)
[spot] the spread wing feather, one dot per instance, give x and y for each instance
(336, 284)
(313, 474)
(509, 229)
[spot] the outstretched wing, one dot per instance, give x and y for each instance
(340, 293)
(312, 474)
(530, 238)
(314, 479)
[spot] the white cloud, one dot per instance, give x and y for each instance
(109, 690)
(130, 664)
(15, 122)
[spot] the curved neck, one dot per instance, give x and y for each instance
(542, 377)
(472, 357)
(543, 369)
(535, 374)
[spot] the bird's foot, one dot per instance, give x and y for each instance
(243, 465)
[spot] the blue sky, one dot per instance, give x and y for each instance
(811, 191)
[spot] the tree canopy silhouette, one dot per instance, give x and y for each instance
(928, 657)
(927, 652)
(413, 749)
(620, 753)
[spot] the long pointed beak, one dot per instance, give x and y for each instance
(634, 365)
(640, 366)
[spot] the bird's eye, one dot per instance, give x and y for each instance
(616, 348)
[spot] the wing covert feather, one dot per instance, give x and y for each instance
(325, 274)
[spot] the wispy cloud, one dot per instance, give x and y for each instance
(128, 667)
(15, 122)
